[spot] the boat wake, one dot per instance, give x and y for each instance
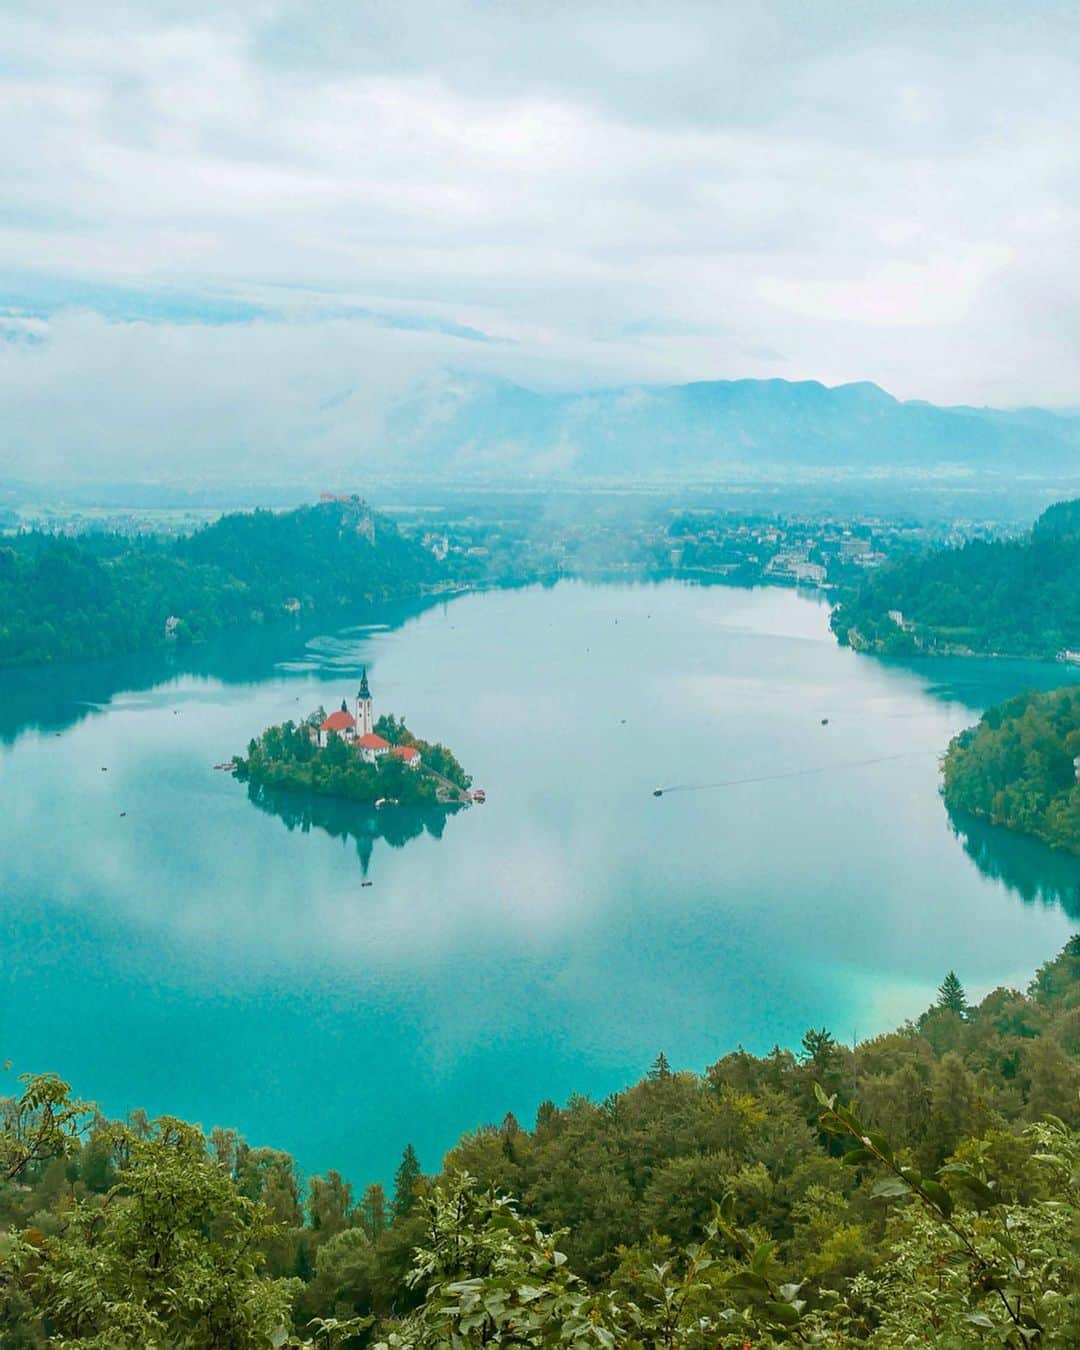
(789, 773)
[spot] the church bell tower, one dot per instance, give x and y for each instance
(364, 721)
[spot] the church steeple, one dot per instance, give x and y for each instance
(365, 721)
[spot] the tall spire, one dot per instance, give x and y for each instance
(365, 721)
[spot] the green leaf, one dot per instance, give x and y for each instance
(783, 1313)
(939, 1195)
(747, 1279)
(963, 1176)
(762, 1253)
(881, 1144)
(857, 1156)
(889, 1188)
(823, 1099)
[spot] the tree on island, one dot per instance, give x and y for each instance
(951, 994)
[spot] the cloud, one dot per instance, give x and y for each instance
(937, 290)
(564, 194)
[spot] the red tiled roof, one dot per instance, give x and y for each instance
(405, 751)
(338, 721)
(372, 742)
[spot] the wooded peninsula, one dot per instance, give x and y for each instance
(1020, 767)
(105, 595)
(1010, 597)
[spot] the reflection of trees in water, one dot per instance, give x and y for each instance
(350, 820)
(54, 698)
(1029, 867)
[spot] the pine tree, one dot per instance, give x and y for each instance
(660, 1069)
(371, 1212)
(951, 994)
(406, 1179)
(819, 1047)
(954, 1100)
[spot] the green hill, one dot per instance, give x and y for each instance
(1016, 597)
(66, 599)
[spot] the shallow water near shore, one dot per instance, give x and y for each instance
(171, 944)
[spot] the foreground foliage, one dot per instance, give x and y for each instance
(1017, 767)
(759, 1204)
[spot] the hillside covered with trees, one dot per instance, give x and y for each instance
(917, 1189)
(1018, 767)
(1015, 597)
(67, 599)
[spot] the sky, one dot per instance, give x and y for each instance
(233, 233)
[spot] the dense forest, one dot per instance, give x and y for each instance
(919, 1188)
(1020, 767)
(287, 757)
(102, 595)
(1016, 597)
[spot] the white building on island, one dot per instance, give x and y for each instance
(359, 731)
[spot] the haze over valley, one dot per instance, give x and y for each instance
(539, 675)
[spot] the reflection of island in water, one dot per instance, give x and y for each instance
(351, 820)
(1029, 867)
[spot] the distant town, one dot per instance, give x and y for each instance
(809, 549)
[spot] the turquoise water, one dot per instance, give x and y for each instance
(219, 959)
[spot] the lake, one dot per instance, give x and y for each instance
(171, 944)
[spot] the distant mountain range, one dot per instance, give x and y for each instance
(476, 425)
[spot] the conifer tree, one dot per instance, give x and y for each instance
(818, 1047)
(951, 994)
(371, 1212)
(660, 1069)
(405, 1182)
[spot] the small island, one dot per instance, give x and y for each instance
(1020, 767)
(351, 755)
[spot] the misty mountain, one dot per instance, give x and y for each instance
(471, 425)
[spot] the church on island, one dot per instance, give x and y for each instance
(359, 731)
